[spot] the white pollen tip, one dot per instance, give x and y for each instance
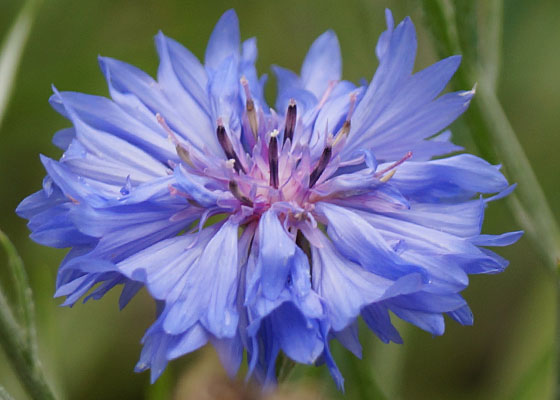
(230, 163)
(330, 139)
(274, 133)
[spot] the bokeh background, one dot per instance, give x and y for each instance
(89, 351)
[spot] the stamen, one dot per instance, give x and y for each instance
(173, 191)
(167, 129)
(345, 130)
(290, 125)
(250, 107)
(320, 167)
(273, 159)
(395, 164)
(234, 189)
(224, 141)
(72, 199)
(183, 154)
(385, 178)
(353, 99)
(327, 93)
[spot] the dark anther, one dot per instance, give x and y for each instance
(291, 117)
(273, 159)
(228, 147)
(320, 167)
(234, 189)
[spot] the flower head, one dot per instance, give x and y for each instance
(267, 230)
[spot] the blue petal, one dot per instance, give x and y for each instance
(230, 351)
(385, 37)
(224, 92)
(348, 337)
(394, 69)
(378, 320)
(463, 315)
(360, 242)
(209, 293)
(187, 342)
(103, 114)
(128, 292)
(186, 67)
(428, 302)
(113, 149)
(430, 322)
(276, 250)
(194, 186)
(458, 177)
(162, 266)
(460, 219)
(297, 336)
(247, 69)
(402, 134)
(224, 41)
(504, 239)
(322, 64)
(63, 138)
(71, 185)
(344, 286)
(196, 104)
(136, 91)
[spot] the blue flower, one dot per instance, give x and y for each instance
(265, 230)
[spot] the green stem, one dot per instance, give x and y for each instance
(491, 47)
(27, 366)
(488, 122)
(490, 130)
(4, 395)
(24, 308)
(12, 50)
(285, 368)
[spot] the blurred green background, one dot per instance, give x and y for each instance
(89, 352)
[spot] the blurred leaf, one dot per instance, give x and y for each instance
(12, 50)
(162, 388)
(4, 394)
(359, 379)
(528, 384)
(25, 308)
